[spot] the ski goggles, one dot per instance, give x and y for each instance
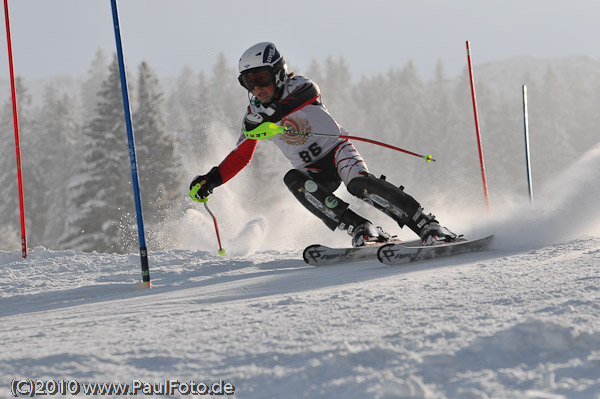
(260, 77)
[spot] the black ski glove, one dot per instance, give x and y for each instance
(271, 114)
(208, 181)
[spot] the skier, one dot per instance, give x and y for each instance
(320, 163)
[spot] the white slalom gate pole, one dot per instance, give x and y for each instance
(526, 128)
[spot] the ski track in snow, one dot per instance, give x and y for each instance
(517, 321)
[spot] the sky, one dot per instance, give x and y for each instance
(60, 37)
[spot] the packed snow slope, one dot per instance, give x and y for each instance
(517, 321)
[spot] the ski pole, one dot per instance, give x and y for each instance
(427, 158)
(267, 130)
(212, 215)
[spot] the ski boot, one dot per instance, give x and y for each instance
(361, 230)
(433, 234)
(365, 233)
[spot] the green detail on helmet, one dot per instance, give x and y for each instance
(265, 130)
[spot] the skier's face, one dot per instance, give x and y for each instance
(259, 81)
(264, 93)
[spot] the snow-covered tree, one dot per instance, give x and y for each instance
(225, 90)
(56, 155)
(336, 91)
(9, 206)
(93, 83)
(155, 148)
(179, 106)
(101, 191)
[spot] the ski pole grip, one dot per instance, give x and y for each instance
(195, 190)
(265, 130)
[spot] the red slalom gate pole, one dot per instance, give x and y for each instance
(483, 179)
(17, 141)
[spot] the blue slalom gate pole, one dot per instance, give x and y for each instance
(134, 175)
(526, 127)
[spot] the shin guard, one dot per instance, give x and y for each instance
(314, 197)
(391, 200)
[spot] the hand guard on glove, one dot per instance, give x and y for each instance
(209, 181)
(271, 114)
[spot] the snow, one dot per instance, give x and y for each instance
(517, 321)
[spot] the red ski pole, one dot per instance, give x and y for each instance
(427, 158)
(212, 215)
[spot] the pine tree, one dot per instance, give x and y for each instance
(369, 94)
(314, 72)
(462, 149)
(557, 102)
(336, 89)
(439, 136)
(101, 191)
(193, 114)
(56, 155)
(405, 102)
(155, 149)
(93, 83)
(180, 103)
(225, 90)
(439, 120)
(9, 192)
(206, 119)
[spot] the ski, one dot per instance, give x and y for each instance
(400, 253)
(321, 255)
(392, 252)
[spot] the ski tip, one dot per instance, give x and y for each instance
(308, 256)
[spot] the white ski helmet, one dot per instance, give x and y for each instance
(262, 55)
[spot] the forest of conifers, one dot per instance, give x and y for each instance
(75, 160)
